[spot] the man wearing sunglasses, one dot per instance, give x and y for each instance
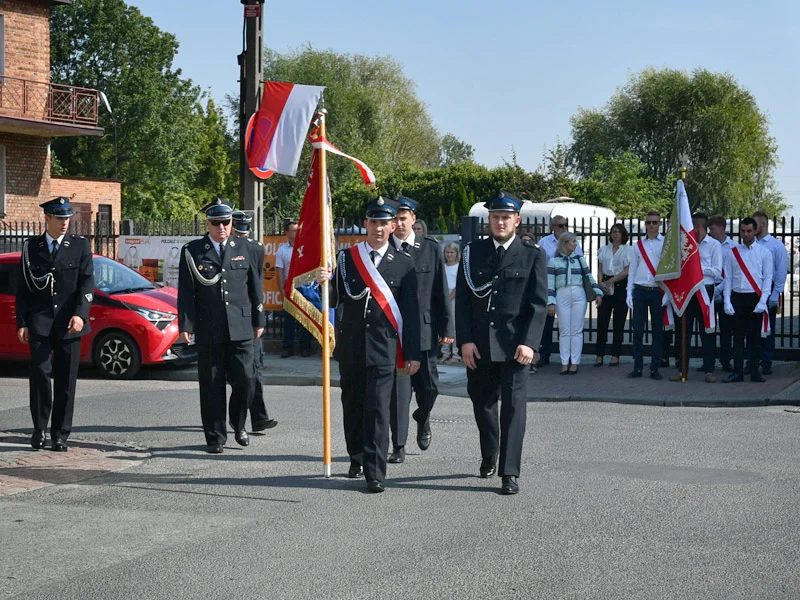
(220, 302)
(644, 294)
(549, 243)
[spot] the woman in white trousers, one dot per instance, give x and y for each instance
(567, 300)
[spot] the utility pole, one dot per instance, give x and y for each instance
(251, 68)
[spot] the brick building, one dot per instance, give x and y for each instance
(32, 112)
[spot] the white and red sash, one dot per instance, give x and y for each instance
(668, 317)
(381, 292)
(756, 289)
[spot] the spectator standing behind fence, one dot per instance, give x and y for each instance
(716, 229)
(283, 259)
(549, 243)
(452, 256)
(711, 262)
(748, 275)
(779, 270)
(643, 295)
(614, 259)
(567, 299)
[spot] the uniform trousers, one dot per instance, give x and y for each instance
(366, 394)
(506, 382)
(613, 304)
(258, 408)
(60, 400)
(725, 322)
(425, 384)
(644, 299)
(746, 326)
(215, 363)
(694, 315)
(571, 310)
(545, 346)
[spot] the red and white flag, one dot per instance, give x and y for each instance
(680, 273)
(276, 132)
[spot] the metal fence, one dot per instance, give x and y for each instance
(592, 234)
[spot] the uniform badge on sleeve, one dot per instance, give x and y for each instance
(89, 297)
(260, 308)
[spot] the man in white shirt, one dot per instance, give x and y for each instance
(711, 262)
(716, 229)
(746, 291)
(779, 271)
(644, 294)
(283, 259)
(549, 243)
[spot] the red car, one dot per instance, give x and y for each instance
(134, 322)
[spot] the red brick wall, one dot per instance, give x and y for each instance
(27, 176)
(27, 31)
(90, 191)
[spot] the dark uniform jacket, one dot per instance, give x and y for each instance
(434, 305)
(70, 293)
(366, 337)
(229, 309)
(513, 309)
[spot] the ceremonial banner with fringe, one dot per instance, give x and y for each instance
(680, 273)
(301, 285)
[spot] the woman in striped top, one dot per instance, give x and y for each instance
(567, 300)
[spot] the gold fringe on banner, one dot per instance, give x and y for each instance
(305, 313)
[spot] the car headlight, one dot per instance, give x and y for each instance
(160, 319)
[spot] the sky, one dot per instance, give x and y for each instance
(506, 76)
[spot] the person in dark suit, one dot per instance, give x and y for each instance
(436, 324)
(259, 415)
(501, 303)
(378, 332)
(220, 302)
(54, 295)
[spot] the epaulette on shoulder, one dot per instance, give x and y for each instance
(260, 243)
(432, 239)
(77, 237)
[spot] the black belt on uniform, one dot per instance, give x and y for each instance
(647, 287)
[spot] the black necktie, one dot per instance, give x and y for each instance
(373, 254)
(55, 247)
(221, 249)
(501, 252)
(404, 245)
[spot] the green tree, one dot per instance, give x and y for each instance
(164, 137)
(454, 150)
(557, 172)
(622, 184)
(704, 121)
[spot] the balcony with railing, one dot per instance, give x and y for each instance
(33, 107)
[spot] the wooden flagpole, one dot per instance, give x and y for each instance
(684, 357)
(324, 211)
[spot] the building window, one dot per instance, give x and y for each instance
(3, 181)
(104, 219)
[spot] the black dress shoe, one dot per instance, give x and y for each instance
(424, 434)
(488, 467)
(656, 375)
(264, 425)
(398, 455)
(510, 485)
(542, 363)
(634, 374)
(287, 353)
(214, 448)
(733, 378)
(757, 378)
(355, 471)
(242, 438)
(59, 445)
(37, 439)
(766, 370)
(375, 487)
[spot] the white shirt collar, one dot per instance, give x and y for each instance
(658, 238)
(49, 239)
(382, 250)
(506, 245)
(398, 243)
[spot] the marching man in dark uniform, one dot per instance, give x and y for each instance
(220, 302)
(259, 416)
(378, 333)
(436, 325)
(54, 296)
(501, 303)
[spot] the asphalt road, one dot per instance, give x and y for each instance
(617, 501)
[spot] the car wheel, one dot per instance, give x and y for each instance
(117, 355)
